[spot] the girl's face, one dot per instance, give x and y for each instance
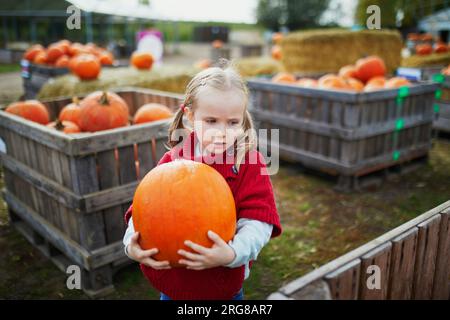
(217, 118)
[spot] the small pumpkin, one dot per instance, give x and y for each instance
(348, 71)
(396, 82)
(32, 52)
(424, 49)
(440, 47)
(106, 58)
(142, 60)
(284, 77)
(64, 45)
(217, 44)
(64, 126)
(71, 112)
(62, 62)
(332, 81)
(151, 112)
(86, 67)
(376, 83)
(276, 52)
(32, 110)
(354, 84)
(166, 214)
(54, 52)
(102, 111)
(40, 58)
(307, 83)
(370, 67)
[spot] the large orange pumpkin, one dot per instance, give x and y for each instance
(86, 67)
(151, 112)
(71, 112)
(142, 60)
(370, 67)
(31, 109)
(102, 111)
(64, 126)
(179, 201)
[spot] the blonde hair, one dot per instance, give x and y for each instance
(223, 77)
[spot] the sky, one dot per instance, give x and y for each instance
(215, 10)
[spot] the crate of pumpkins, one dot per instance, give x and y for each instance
(71, 167)
(348, 124)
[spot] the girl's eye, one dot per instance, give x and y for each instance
(210, 121)
(234, 123)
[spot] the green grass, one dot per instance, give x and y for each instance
(9, 67)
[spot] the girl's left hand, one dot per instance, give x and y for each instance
(219, 254)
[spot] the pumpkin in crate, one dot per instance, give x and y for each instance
(348, 71)
(33, 51)
(32, 110)
(40, 58)
(151, 112)
(333, 82)
(86, 66)
(307, 83)
(71, 112)
(396, 82)
(64, 126)
(102, 111)
(376, 83)
(284, 77)
(179, 201)
(370, 67)
(54, 52)
(142, 60)
(62, 62)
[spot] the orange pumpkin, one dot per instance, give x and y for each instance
(355, 84)
(71, 112)
(102, 111)
(307, 83)
(64, 45)
(62, 62)
(76, 49)
(424, 49)
(151, 112)
(54, 52)
(106, 58)
(349, 71)
(370, 67)
(32, 110)
(86, 67)
(276, 52)
(142, 60)
(166, 214)
(440, 47)
(217, 44)
(396, 82)
(64, 126)
(332, 81)
(284, 77)
(376, 83)
(32, 52)
(40, 58)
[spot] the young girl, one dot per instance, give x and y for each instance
(215, 106)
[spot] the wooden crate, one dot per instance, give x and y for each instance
(413, 260)
(442, 120)
(68, 193)
(346, 134)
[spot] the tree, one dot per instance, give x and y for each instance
(293, 14)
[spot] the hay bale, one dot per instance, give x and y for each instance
(171, 78)
(256, 66)
(318, 51)
(435, 59)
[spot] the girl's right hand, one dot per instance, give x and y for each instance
(136, 253)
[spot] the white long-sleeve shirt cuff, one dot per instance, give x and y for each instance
(128, 234)
(251, 237)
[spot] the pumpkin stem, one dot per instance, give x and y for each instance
(59, 125)
(104, 99)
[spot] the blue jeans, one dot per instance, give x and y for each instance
(238, 296)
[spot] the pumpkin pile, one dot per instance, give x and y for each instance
(85, 61)
(368, 74)
(100, 110)
(166, 214)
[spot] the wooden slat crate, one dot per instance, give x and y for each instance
(413, 261)
(442, 121)
(69, 193)
(342, 133)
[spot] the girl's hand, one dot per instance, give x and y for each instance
(136, 253)
(219, 255)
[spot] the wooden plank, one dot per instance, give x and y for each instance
(344, 282)
(402, 266)
(144, 158)
(442, 273)
(381, 258)
(427, 245)
(319, 273)
(127, 167)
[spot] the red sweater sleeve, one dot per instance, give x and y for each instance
(254, 197)
(165, 158)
